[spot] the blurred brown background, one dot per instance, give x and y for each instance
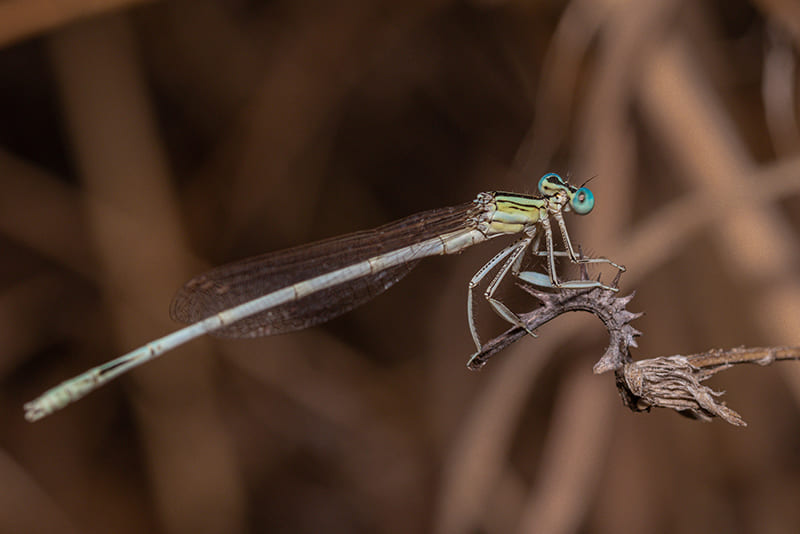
(142, 142)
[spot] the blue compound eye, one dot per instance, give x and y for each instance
(550, 183)
(582, 201)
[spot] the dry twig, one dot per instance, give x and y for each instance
(664, 382)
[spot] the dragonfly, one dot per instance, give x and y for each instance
(307, 285)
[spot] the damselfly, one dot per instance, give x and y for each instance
(300, 287)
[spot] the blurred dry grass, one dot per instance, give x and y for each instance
(144, 141)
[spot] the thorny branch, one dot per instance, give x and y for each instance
(664, 382)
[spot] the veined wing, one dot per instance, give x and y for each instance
(236, 283)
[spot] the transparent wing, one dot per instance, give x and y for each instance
(236, 283)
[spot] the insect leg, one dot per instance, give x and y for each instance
(473, 283)
(568, 243)
(512, 264)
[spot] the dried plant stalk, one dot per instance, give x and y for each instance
(673, 382)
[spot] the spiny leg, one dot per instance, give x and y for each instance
(539, 280)
(473, 283)
(548, 242)
(512, 264)
(568, 244)
(544, 280)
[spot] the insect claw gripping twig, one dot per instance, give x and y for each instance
(603, 303)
